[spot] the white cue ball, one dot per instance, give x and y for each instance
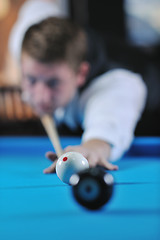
(70, 163)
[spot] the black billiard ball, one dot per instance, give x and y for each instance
(92, 188)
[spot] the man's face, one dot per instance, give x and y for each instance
(48, 86)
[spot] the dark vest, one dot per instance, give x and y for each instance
(96, 56)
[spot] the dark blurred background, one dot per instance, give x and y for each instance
(131, 33)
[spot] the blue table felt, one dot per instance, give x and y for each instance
(35, 206)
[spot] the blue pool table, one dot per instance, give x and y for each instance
(38, 206)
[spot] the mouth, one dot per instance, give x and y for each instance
(45, 109)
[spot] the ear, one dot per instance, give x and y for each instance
(82, 73)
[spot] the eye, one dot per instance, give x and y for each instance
(52, 83)
(32, 80)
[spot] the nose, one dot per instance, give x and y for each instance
(42, 93)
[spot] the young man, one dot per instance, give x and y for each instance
(59, 78)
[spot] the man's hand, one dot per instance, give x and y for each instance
(52, 168)
(95, 151)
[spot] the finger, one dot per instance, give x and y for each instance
(108, 165)
(93, 160)
(51, 168)
(72, 149)
(68, 149)
(51, 156)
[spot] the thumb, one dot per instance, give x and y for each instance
(51, 156)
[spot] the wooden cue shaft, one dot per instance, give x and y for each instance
(49, 125)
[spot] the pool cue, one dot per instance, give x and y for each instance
(50, 127)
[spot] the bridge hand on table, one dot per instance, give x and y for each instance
(52, 168)
(94, 157)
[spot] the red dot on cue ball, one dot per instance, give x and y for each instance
(65, 159)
